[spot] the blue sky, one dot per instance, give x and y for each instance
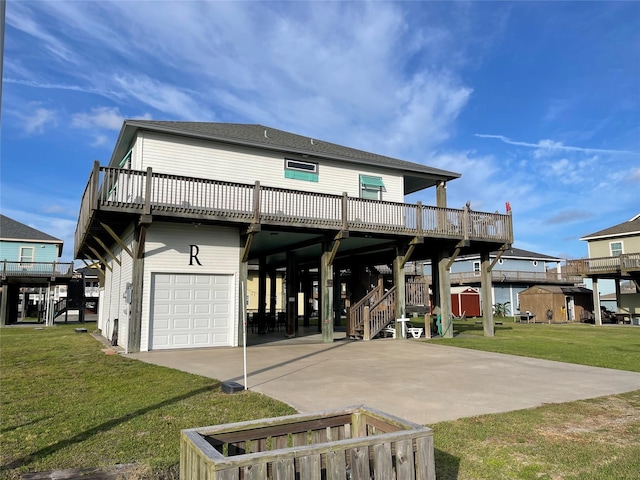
(534, 103)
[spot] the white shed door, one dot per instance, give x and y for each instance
(190, 311)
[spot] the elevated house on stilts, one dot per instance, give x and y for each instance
(182, 209)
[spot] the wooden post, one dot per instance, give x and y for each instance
(292, 294)
(94, 185)
(345, 211)
(367, 325)
(326, 287)
(256, 203)
(307, 285)
(262, 295)
(273, 291)
(135, 317)
(487, 302)
(399, 281)
(4, 313)
(419, 219)
(243, 274)
(596, 302)
(147, 191)
(337, 297)
(445, 296)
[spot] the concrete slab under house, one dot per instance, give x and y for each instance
(184, 211)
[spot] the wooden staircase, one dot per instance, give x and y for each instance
(372, 313)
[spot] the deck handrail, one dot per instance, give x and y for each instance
(146, 192)
(36, 269)
(626, 262)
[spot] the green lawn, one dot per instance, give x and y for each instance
(612, 346)
(65, 404)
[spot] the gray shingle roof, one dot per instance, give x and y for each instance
(630, 227)
(260, 136)
(13, 230)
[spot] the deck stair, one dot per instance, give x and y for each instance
(372, 313)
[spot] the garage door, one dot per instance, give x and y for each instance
(190, 311)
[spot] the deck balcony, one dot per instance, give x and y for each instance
(112, 193)
(626, 265)
(33, 271)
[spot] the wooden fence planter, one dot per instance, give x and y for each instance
(354, 443)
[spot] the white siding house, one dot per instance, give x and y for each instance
(183, 208)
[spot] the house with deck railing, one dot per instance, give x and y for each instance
(182, 209)
(614, 254)
(30, 268)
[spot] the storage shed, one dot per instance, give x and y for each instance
(465, 300)
(556, 304)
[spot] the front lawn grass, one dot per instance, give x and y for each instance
(65, 404)
(612, 346)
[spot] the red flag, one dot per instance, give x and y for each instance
(508, 205)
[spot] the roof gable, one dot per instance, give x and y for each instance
(13, 230)
(416, 176)
(630, 227)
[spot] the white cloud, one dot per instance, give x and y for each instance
(171, 100)
(35, 121)
(546, 146)
(99, 117)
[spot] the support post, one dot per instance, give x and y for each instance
(262, 295)
(326, 287)
(273, 292)
(292, 294)
(4, 293)
(487, 301)
(243, 275)
(596, 302)
(337, 297)
(444, 285)
(307, 285)
(399, 281)
(135, 317)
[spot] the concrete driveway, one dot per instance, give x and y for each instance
(414, 380)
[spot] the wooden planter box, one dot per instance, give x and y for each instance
(354, 443)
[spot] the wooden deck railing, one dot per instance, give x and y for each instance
(508, 276)
(621, 264)
(36, 269)
(372, 313)
(356, 313)
(144, 192)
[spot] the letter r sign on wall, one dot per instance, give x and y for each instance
(194, 250)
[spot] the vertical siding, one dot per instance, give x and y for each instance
(198, 158)
(167, 250)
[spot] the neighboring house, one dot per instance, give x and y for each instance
(557, 304)
(183, 209)
(514, 270)
(29, 262)
(614, 253)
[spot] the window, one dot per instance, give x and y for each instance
(476, 268)
(371, 187)
(616, 249)
(300, 170)
(26, 256)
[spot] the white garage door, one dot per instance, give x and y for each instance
(190, 311)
